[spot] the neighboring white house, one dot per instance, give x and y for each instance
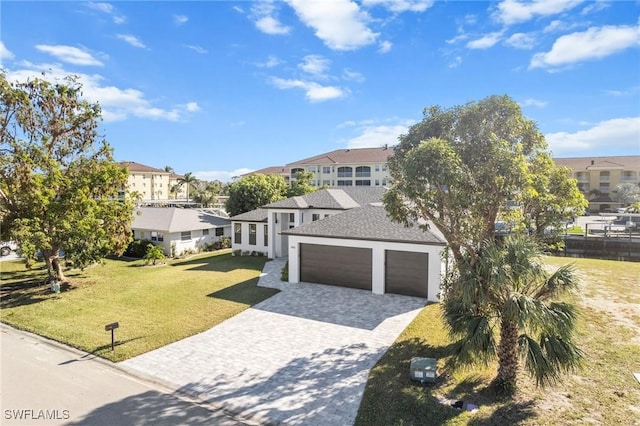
(344, 237)
(183, 228)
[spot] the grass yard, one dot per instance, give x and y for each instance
(603, 391)
(153, 305)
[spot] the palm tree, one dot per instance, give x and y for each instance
(506, 292)
(136, 196)
(189, 180)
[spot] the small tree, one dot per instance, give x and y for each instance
(188, 181)
(153, 253)
(506, 306)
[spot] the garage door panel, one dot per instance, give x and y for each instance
(406, 273)
(341, 266)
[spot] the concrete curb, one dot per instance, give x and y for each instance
(161, 385)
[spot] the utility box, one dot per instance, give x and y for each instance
(423, 370)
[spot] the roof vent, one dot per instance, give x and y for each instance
(592, 162)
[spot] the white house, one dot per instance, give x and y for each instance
(182, 228)
(251, 232)
(344, 237)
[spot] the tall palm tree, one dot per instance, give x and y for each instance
(505, 305)
(189, 180)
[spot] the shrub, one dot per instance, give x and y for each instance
(284, 275)
(225, 242)
(153, 253)
(237, 253)
(137, 248)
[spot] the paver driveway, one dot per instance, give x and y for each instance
(301, 357)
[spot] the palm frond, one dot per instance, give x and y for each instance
(562, 281)
(535, 361)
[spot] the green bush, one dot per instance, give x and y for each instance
(137, 248)
(284, 275)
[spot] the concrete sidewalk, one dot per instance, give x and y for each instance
(301, 357)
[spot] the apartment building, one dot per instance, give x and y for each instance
(346, 167)
(598, 176)
(153, 184)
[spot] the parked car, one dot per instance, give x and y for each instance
(6, 247)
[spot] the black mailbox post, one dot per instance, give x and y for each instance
(111, 327)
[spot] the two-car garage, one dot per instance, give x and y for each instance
(363, 249)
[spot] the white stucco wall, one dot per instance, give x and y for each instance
(197, 239)
(378, 261)
(244, 245)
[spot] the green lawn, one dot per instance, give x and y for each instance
(153, 305)
(603, 391)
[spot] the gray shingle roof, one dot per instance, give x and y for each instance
(367, 223)
(257, 215)
(332, 198)
(172, 219)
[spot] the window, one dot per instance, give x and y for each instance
(326, 170)
(377, 167)
(345, 183)
(360, 182)
(205, 232)
(345, 172)
(377, 182)
(384, 182)
(252, 234)
(295, 171)
(604, 176)
(363, 171)
(141, 235)
(315, 217)
(185, 236)
(219, 232)
(266, 235)
(604, 187)
(156, 236)
(237, 233)
(384, 167)
(292, 217)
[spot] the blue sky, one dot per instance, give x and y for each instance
(219, 88)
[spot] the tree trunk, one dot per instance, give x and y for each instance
(57, 267)
(507, 358)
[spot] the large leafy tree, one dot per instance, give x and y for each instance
(301, 184)
(59, 183)
(253, 191)
(458, 168)
(626, 193)
(550, 196)
(507, 306)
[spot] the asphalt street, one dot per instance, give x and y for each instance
(44, 383)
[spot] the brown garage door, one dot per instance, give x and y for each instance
(406, 273)
(342, 266)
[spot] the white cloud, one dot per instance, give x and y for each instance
(238, 9)
(340, 24)
(69, 54)
(180, 19)
(263, 14)
(595, 6)
(107, 9)
(223, 176)
(457, 61)
(198, 49)
(271, 62)
(116, 103)
(399, 6)
(315, 65)
(534, 102)
(132, 40)
(514, 11)
(620, 133)
(486, 41)
(352, 75)
(385, 46)
(4, 52)
(314, 92)
(521, 41)
(595, 43)
(373, 134)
